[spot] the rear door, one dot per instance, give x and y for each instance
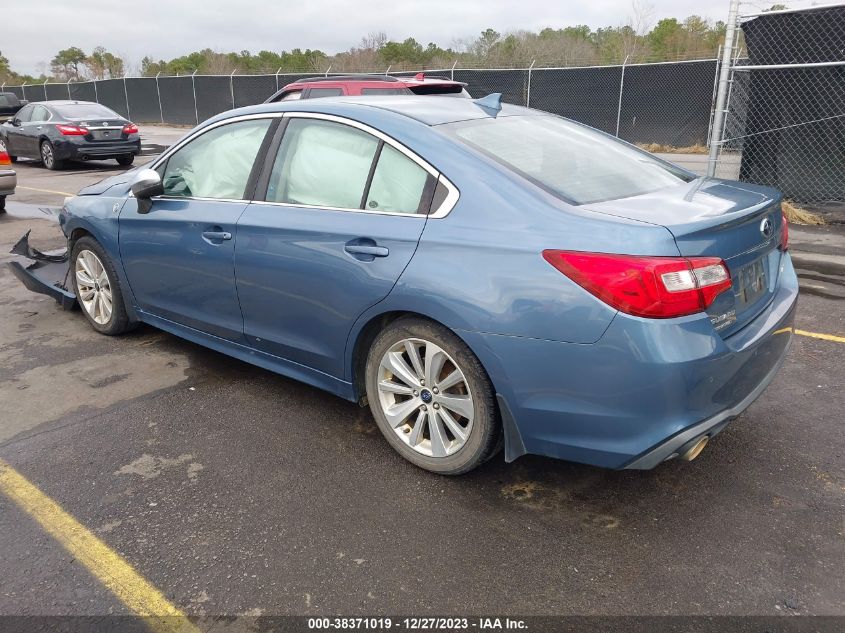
(179, 258)
(340, 220)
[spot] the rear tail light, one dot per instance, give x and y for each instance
(72, 130)
(655, 287)
(4, 157)
(130, 128)
(784, 232)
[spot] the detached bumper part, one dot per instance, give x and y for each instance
(47, 275)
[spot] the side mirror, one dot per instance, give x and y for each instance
(146, 184)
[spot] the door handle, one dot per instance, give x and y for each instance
(217, 235)
(363, 249)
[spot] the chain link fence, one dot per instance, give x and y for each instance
(784, 120)
(665, 103)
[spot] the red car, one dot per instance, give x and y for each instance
(314, 87)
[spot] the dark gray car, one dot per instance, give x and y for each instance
(58, 131)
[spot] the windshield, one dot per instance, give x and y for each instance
(83, 111)
(572, 161)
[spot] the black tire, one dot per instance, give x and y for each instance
(119, 322)
(48, 156)
(125, 160)
(2, 204)
(484, 436)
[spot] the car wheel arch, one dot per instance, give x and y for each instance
(367, 333)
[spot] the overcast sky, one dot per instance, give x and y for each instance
(35, 29)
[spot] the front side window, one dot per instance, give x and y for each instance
(216, 164)
(322, 163)
(23, 115)
(570, 160)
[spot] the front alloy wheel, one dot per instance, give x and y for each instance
(431, 398)
(95, 292)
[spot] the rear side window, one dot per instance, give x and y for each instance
(292, 96)
(39, 113)
(328, 164)
(8, 99)
(322, 163)
(399, 184)
(216, 164)
(385, 91)
(316, 93)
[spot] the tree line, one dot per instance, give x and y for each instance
(638, 40)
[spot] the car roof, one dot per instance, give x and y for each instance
(61, 102)
(420, 79)
(430, 110)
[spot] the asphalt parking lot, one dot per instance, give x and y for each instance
(236, 491)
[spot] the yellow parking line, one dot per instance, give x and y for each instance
(58, 193)
(103, 562)
(825, 337)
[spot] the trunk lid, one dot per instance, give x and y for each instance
(738, 222)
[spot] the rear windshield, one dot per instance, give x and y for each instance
(8, 99)
(442, 90)
(572, 161)
(83, 111)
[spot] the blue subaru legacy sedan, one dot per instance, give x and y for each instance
(481, 275)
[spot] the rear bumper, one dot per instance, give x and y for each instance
(78, 148)
(8, 182)
(645, 389)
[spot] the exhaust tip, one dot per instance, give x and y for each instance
(695, 450)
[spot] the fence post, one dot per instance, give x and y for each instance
(452, 74)
(621, 88)
(96, 94)
(388, 69)
(327, 71)
(713, 95)
(68, 90)
(44, 87)
(126, 95)
(278, 70)
(231, 87)
(528, 91)
(158, 92)
(721, 96)
(23, 90)
(194, 88)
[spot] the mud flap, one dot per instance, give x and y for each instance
(47, 275)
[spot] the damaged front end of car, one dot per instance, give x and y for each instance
(48, 274)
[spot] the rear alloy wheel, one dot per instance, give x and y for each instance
(126, 159)
(431, 398)
(97, 288)
(48, 156)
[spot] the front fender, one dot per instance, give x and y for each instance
(99, 216)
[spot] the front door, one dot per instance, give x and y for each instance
(343, 214)
(179, 257)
